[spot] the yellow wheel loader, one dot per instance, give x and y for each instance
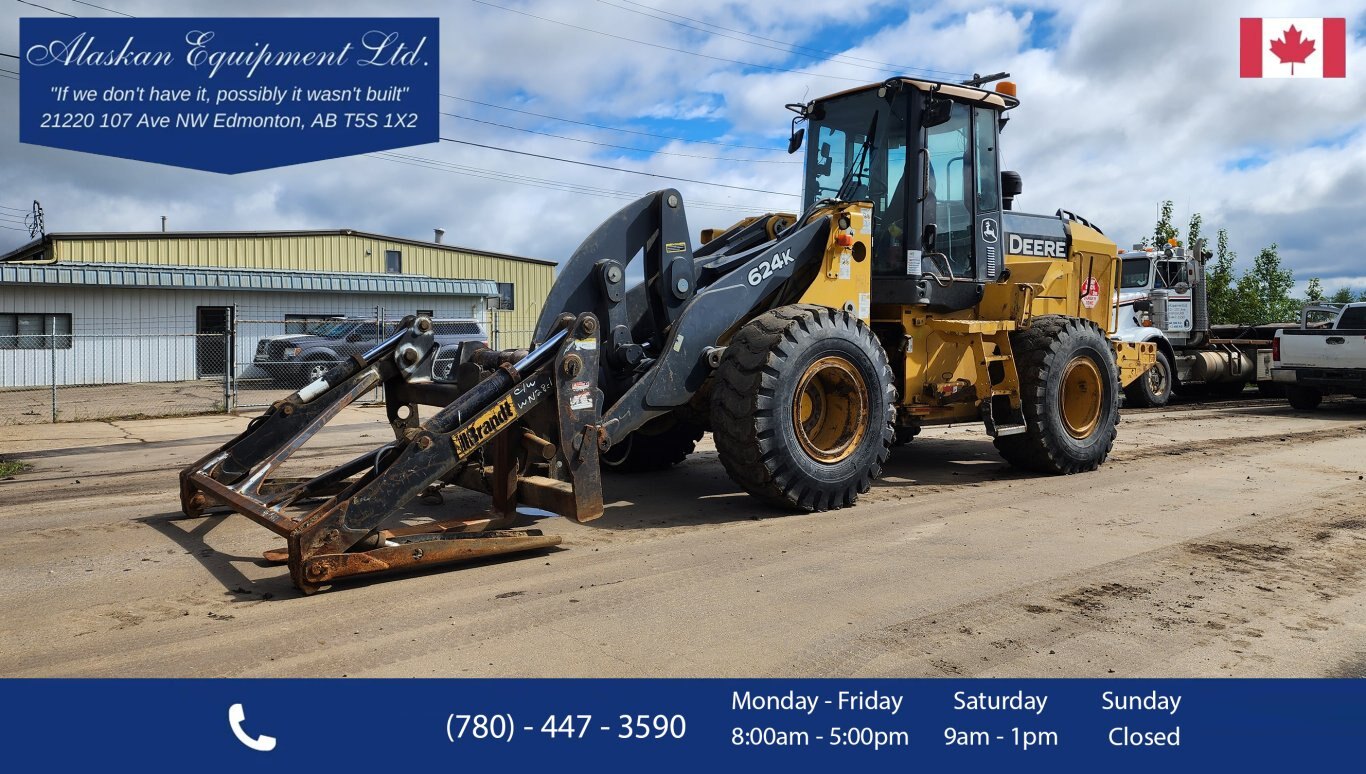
(906, 293)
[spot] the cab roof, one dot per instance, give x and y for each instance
(973, 94)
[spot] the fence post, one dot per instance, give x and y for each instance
(228, 358)
(52, 348)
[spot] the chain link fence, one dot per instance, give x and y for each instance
(60, 377)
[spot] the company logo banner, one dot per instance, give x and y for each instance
(229, 95)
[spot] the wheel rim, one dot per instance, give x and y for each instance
(317, 371)
(831, 411)
(1158, 380)
(1081, 397)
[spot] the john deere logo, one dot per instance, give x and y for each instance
(484, 427)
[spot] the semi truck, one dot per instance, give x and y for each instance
(1164, 300)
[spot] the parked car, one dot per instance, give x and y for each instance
(297, 359)
(1324, 358)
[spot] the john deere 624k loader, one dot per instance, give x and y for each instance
(906, 293)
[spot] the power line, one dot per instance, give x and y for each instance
(620, 147)
(614, 169)
(536, 182)
(608, 128)
(102, 8)
(11, 56)
(45, 8)
(16, 209)
(11, 72)
(833, 54)
(12, 228)
(785, 47)
(670, 48)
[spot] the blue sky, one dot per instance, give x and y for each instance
(1123, 105)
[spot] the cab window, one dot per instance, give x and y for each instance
(1171, 273)
(1135, 273)
(947, 198)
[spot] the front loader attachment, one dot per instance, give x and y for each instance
(526, 431)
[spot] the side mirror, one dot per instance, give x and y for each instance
(936, 111)
(795, 141)
(927, 238)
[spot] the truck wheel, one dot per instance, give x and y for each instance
(658, 445)
(1154, 388)
(1303, 398)
(1228, 389)
(802, 408)
(1068, 390)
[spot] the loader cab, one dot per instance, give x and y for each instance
(926, 155)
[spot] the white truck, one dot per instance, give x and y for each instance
(1324, 357)
(1163, 300)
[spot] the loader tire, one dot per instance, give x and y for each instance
(1069, 387)
(656, 446)
(1154, 388)
(802, 408)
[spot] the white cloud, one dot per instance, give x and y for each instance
(1134, 103)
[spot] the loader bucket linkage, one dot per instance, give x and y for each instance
(491, 437)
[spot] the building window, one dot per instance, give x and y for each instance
(34, 331)
(307, 323)
(393, 262)
(507, 299)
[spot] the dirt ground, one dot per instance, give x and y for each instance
(1218, 540)
(25, 406)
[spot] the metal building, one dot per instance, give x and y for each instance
(523, 282)
(131, 308)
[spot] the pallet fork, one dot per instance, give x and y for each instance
(492, 437)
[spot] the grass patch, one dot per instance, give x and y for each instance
(12, 468)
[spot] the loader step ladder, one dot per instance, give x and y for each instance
(1000, 400)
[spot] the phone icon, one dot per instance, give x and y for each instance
(236, 716)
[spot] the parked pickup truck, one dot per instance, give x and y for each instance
(1326, 355)
(300, 358)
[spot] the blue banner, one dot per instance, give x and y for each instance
(232, 94)
(685, 725)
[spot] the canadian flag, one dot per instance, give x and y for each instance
(1293, 48)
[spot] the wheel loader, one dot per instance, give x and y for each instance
(907, 292)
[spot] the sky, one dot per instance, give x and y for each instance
(1123, 105)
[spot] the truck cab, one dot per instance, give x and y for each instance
(1326, 355)
(1157, 295)
(1163, 300)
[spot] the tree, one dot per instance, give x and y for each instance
(1219, 282)
(1193, 231)
(1164, 229)
(1344, 295)
(1315, 290)
(1262, 294)
(1362, 297)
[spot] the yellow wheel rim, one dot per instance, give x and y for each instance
(1081, 397)
(830, 414)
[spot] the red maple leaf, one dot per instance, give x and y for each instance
(1292, 48)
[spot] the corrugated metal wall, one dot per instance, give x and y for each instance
(124, 335)
(330, 253)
